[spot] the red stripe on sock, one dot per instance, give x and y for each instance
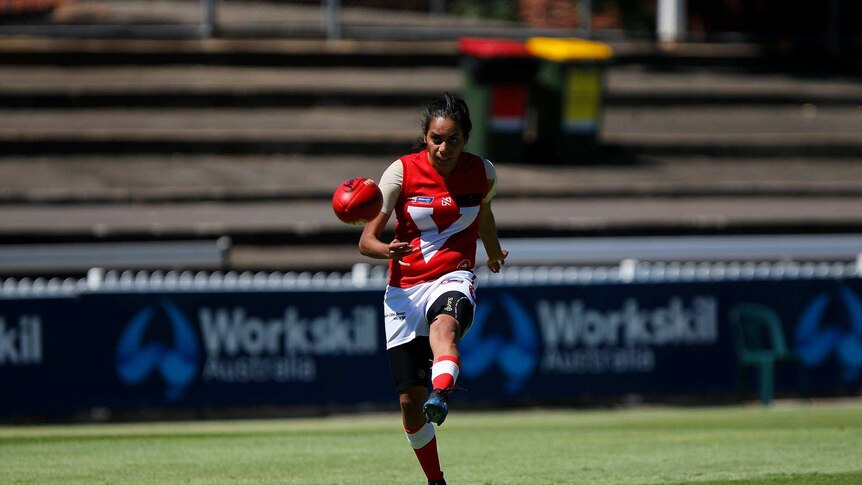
(429, 460)
(443, 381)
(450, 358)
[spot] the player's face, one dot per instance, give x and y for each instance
(445, 142)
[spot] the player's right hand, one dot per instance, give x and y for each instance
(398, 250)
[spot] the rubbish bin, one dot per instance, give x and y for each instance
(497, 78)
(567, 95)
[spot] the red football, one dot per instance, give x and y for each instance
(357, 201)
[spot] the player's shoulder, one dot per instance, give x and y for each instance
(490, 171)
(393, 175)
(397, 165)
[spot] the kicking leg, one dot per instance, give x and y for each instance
(446, 366)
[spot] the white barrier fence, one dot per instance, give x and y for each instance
(365, 276)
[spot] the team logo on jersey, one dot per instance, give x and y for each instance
(419, 199)
(446, 201)
(396, 315)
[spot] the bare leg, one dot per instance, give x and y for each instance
(411, 402)
(420, 434)
(444, 335)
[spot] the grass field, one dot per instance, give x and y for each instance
(789, 443)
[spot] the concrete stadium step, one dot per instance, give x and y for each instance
(648, 86)
(117, 131)
(710, 131)
(196, 178)
(736, 131)
(274, 223)
(254, 86)
(422, 40)
(220, 178)
(728, 146)
(280, 52)
(733, 120)
(220, 86)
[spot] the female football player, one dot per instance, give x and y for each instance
(442, 202)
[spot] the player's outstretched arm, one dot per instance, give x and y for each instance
(370, 244)
(488, 234)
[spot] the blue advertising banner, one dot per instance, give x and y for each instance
(243, 348)
(141, 350)
(147, 350)
(34, 373)
(556, 342)
(663, 339)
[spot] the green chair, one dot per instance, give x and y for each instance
(759, 341)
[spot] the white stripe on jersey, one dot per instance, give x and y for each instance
(432, 239)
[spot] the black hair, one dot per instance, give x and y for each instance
(448, 106)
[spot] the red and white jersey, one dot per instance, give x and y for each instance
(438, 216)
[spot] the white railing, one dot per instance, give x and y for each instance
(373, 277)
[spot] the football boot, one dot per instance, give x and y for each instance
(437, 406)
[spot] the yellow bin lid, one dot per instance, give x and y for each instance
(562, 50)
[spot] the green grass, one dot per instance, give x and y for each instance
(800, 444)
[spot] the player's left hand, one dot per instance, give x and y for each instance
(495, 264)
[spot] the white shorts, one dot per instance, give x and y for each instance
(405, 309)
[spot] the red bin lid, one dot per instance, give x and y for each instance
(489, 48)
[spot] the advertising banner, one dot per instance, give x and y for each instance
(31, 377)
(586, 341)
(142, 350)
(147, 350)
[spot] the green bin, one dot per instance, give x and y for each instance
(497, 78)
(567, 95)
